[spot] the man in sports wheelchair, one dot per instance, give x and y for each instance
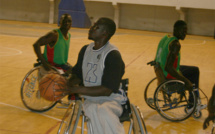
(131, 117)
(100, 69)
(57, 43)
(167, 66)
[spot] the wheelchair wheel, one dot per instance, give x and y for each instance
(66, 119)
(139, 125)
(30, 94)
(149, 93)
(172, 101)
(71, 119)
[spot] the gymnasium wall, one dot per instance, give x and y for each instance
(151, 15)
(27, 10)
(154, 17)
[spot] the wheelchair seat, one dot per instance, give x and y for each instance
(126, 112)
(131, 114)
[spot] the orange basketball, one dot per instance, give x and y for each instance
(50, 86)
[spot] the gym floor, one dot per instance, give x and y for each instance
(137, 48)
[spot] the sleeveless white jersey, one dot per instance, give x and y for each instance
(93, 64)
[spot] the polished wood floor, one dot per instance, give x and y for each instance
(137, 48)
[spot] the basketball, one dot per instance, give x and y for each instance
(50, 86)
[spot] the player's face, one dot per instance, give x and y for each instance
(66, 22)
(182, 32)
(96, 32)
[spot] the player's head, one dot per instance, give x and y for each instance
(104, 27)
(180, 29)
(65, 21)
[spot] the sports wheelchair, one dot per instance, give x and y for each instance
(170, 99)
(131, 114)
(30, 93)
(213, 127)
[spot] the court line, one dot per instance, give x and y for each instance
(30, 111)
(17, 131)
(52, 128)
(135, 59)
(203, 42)
(35, 112)
(18, 52)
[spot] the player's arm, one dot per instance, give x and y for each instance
(110, 80)
(76, 78)
(113, 72)
(49, 39)
(174, 49)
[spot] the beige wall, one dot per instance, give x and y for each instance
(27, 10)
(201, 21)
(155, 18)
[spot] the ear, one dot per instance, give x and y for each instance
(105, 33)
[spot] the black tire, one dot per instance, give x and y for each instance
(30, 93)
(171, 101)
(149, 93)
(197, 115)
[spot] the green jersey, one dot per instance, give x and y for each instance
(162, 53)
(58, 54)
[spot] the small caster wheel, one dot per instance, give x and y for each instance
(197, 115)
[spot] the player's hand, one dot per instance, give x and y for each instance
(67, 90)
(73, 81)
(152, 63)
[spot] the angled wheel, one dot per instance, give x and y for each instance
(30, 93)
(71, 118)
(149, 93)
(172, 101)
(64, 126)
(139, 126)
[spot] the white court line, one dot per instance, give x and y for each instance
(203, 42)
(29, 111)
(10, 53)
(35, 112)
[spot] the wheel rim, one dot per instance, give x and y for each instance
(30, 93)
(149, 93)
(170, 103)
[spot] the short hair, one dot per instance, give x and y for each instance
(179, 23)
(63, 16)
(109, 24)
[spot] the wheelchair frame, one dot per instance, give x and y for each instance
(30, 94)
(74, 113)
(165, 89)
